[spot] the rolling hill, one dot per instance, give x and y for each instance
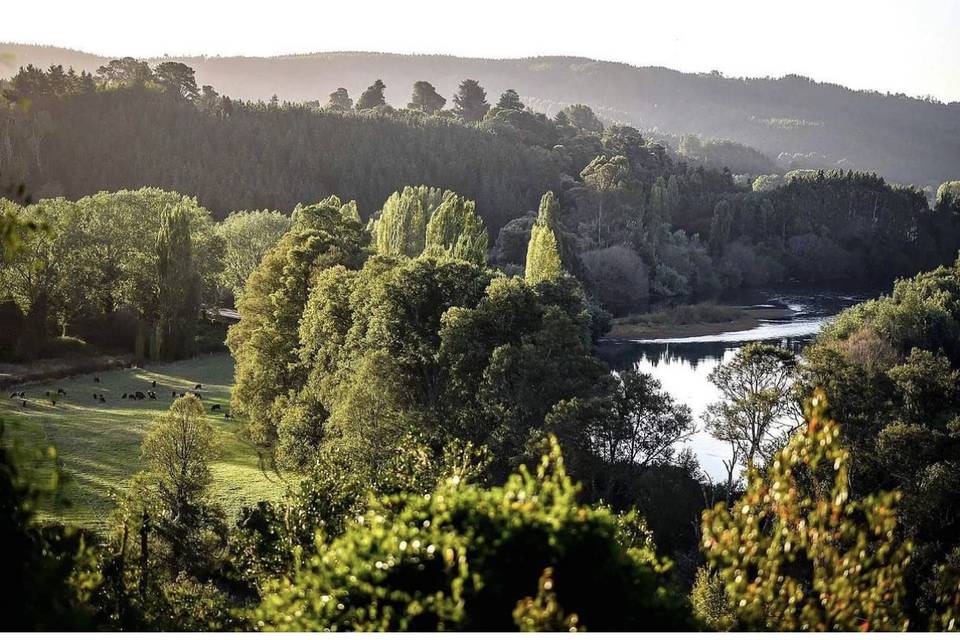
(799, 122)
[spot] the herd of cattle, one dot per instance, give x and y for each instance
(151, 394)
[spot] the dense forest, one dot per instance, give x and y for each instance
(420, 292)
(798, 122)
(635, 220)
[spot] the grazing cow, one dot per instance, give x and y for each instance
(47, 392)
(226, 416)
(153, 383)
(102, 399)
(132, 397)
(123, 397)
(94, 396)
(53, 401)
(181, 394)
(215, 407)
(61, 392)
(140, 395)
(96, 378)
(198, 386)
(152, 395)
(22, 394)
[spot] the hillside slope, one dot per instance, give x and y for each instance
(804, 123)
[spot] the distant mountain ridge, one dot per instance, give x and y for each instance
(804, 123)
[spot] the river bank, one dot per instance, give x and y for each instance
(690, 321)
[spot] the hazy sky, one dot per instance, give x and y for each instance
(910, 46)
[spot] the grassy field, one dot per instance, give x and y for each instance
(98, 444)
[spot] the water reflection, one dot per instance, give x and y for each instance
(682, 365)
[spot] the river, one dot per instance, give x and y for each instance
(683, 364)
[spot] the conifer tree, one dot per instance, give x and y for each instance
(471, 101)
(510, 99)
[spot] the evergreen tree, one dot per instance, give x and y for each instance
(425, 98)
(471, 101)
(372, 96)
(510, 99)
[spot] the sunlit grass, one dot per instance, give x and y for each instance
(98, 444)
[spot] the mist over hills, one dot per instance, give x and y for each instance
(796, 121)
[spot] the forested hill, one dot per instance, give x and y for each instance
(801, 123)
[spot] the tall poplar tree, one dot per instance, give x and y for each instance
(543, 251)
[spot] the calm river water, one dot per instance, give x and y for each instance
(683, 364)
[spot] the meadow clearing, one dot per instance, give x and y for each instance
(98, 444)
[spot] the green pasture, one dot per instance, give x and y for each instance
(98, 444)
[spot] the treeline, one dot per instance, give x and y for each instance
(636, 220)
(468, 464)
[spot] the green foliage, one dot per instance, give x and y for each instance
(471, 101)
(456, 231)
(795, 557)
(402, 226)
(890, 367)
(101, 253)
(40, 562)
(466, 558)
(948, 197)
(264, 342)
(178, 287)
(425, 98)
(582, 118)
(340, 100)
(543, 255)
(247, 236)
(708, 597)
(372, 96)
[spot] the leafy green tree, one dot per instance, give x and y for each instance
(465, 558)
(264, 343)
(510, 99)
(948, 197)
(247, 237)
(456, 231)
(606, 176)
(543, 254)
(176, 453)
(425, 98)
(756, 405)
(177, 79)
(471, 101)
(178, 287)
(798, 558)
(402, 226)
(372, 96)
(340, 99)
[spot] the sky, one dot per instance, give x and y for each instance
(911, 47)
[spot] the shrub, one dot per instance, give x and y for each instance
(466, 558)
